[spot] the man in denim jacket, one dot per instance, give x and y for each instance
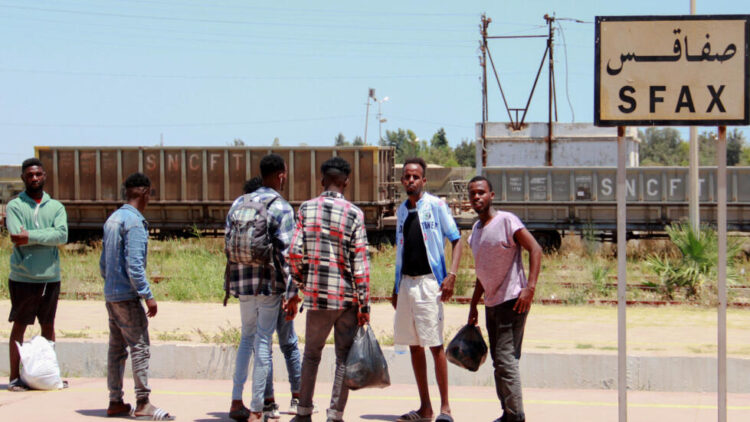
(123, 267)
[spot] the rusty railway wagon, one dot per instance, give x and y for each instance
(554, 199)
(193, 187)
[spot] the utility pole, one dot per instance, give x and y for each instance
(483, 63)
(550, 23)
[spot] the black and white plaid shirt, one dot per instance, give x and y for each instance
(270, 279)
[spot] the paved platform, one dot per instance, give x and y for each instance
(208, 400)
(667, 331)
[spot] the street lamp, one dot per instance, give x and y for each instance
(370, 94)
(381, 120)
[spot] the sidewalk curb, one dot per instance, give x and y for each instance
(538, 370)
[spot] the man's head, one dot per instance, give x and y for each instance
(480, 194)
(273, 171)
(413, 176)
(252, 185)
(336, 173)
(137, 190)
(33, 176)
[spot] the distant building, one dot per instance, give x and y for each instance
(573, 145)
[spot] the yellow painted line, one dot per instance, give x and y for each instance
(454, 399)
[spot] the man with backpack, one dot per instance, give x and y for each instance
(258, 234)
(288, 343)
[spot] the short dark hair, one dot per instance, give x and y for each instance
(336, 166)
(271, 164)
(252, 185)
(137, 180)
(479, 179)
(416, 160)
(31, 162)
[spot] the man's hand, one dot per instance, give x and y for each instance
(473, 316)
(446, 287)
(21, 238)
(363, 318)
(523, 304)
(151, 305)
(291, 308)
(394, 299)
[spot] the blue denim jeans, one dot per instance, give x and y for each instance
(288, 342)
(259, 316)
(128, 328)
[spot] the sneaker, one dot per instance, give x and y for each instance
(295, 402)
(293, 406)
(271, 411)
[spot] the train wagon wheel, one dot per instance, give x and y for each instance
(549, 240)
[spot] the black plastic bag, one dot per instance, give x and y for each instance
(467, 349)
(365, 365)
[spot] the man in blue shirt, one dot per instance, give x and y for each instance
(422, 283)
(123, 267)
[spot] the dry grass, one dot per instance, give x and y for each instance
(192, 270)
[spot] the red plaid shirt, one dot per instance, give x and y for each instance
(328, 254)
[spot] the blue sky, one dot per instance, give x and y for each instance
(124, 73)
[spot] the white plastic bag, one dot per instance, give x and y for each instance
(39, 368)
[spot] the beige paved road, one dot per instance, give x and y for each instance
(204, 400)
(684, 331)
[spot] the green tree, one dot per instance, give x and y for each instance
(439, 139)
(358, 141)
(406, 143)
(441, 155)
(340, 140)
(735, 145)
(661, 147)
(745, 159)
(466, 154)
(276, 142)
(237, 142)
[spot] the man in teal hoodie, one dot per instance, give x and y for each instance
(37, 225)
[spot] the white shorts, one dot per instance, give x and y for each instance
(419, 312)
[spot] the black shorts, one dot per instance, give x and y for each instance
(29, 301)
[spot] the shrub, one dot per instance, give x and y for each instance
(696, 264)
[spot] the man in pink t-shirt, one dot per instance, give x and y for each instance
(496, 241)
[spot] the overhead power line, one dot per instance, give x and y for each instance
(164, 125)
(389, 28)
(237, 77)
(158, 32)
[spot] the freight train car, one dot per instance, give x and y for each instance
(193, 187)
(554, 199)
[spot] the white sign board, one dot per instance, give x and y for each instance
(672, 70)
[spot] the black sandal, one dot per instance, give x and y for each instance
(17, 386)
(240, 415)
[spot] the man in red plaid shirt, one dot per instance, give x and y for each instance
(328, 261)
